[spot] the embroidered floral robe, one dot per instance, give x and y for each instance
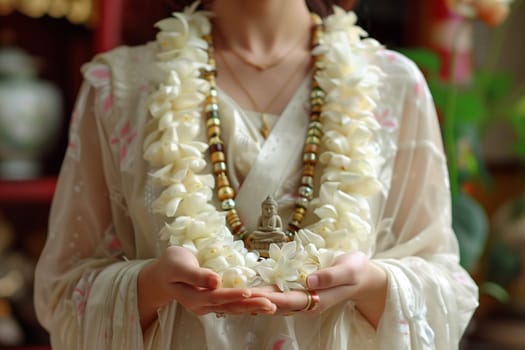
(102, 229)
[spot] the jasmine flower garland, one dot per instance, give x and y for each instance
(351, 158)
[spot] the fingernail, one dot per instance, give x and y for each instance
(269, 310)
(213, 282)
(312, 282)
(246, 294)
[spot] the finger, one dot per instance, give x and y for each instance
(183, 266)
(193, 297)
(287, 302)
(345, 271)
(247, 306)
(195, 276)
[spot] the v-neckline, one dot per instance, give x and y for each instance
(236, 105)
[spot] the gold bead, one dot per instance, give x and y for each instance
(225, 192)
(314, 132)
(232, 214)
(214, 140)
(310, 158)
(317, 101)
(307, 181)
(217, 157)
(222, 179)
(219, 167)
(213, 122)
(298, 217)
(314, 140)
(228, 204)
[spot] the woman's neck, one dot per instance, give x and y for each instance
(261, 26)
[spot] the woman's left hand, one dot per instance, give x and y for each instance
(352, 277)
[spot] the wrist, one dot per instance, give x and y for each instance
(151, 295)
(370, 299)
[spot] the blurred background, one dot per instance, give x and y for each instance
(473, 60)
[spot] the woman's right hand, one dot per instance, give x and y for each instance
(176, 275)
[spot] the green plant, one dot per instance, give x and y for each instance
(466, 111)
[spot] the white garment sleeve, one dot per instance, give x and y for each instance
(430, 297)
(85, 290)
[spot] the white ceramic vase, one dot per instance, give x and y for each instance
(30, 116)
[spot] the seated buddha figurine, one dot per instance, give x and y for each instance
(269, 228)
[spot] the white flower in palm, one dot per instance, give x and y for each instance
(282, 267)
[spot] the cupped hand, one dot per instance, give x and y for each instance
(176, 275)
(352, 277)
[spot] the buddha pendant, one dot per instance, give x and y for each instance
(269, 229)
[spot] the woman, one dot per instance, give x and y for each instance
(175, 144)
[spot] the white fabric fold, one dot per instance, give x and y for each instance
(277, 161)
(102, 211)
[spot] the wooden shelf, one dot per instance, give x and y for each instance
(27, 191)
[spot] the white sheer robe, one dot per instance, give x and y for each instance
(102, 230)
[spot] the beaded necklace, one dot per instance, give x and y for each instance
(225, 192)
(345, 89)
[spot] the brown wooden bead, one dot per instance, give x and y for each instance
(238, 229)
(214, 131)
(309, 170)
(315, 116)
(293, 226)
(311, 148)
(217, 146)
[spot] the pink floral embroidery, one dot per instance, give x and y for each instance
(73, 146)
(115, 244)
(462, 277)
(100, 73)
(420, 87)
(404, 327)
(124, 139)
(81, 294)
(108, 102)
(99, 76)
(386, 119)
(278, 345)
(391, 56)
